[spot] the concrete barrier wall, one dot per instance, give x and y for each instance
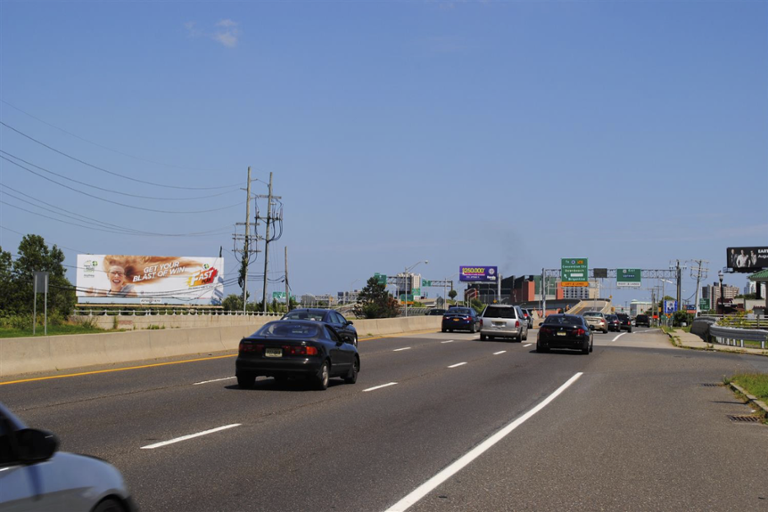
(54, 353)
(131, 322)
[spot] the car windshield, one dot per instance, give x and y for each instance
(593, 313)
(562, 320)
(305, 315)
(499, 312)
(283, 329)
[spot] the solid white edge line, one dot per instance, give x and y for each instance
(214, 380)
(449, 341)
(401, 349)
(457, 365)
(457, 466)
(528, 345)
(190, 436)
(379, 387)
(619, 336)
(502, 352)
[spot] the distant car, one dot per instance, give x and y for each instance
(341, 325)
(296, 348)
(596, 320)
(465, 319)
(642, 320)
(435, 312)
(624, 322)
(503, 321)
(34, 475)
(565, 331)
(613, 323)
(528, 314)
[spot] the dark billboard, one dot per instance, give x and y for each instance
(747, 259)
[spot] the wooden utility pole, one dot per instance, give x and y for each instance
(247, 238)
(287, 288)
(266, 244)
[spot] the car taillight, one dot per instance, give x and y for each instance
(299, 350)
(481, 322)
(579, 332)
(246, 346)
(545, 330)
(517, 323)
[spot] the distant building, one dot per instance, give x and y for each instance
(637, 307)
(712, 292)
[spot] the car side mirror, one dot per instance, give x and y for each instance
(350, 322)
(35, 445)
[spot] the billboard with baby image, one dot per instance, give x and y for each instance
(120, 279)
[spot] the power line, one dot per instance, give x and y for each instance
(115, 202)
(25, 234)
(104, 147)
(106, 170)
(115, 191)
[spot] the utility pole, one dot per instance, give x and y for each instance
(543, 294)
(287, 288)
(700, 273)
(247, 237)
(270, 219)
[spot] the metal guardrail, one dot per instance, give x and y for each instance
(167, 312)
(706, 327)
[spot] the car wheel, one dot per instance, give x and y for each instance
(246, 380)
(526, 335)
(541, 349)
(472, 329)
(483, 337)
(444, 329)
(630, 329)
(351, 377)
(591, 346)
(585, 350)
(322, 377)
(519, 337)
(108, 505)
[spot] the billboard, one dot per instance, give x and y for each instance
(120, 279)
(747, 259)
(478, 274)
(574, 272)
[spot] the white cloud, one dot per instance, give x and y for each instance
(226, 33)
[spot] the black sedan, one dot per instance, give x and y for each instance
(296, 348)
(565, 331)
(613, 322)
(460, 318)
(341, 325)
(624, 322)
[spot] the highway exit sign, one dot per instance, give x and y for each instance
(628, 277)
(574, 272)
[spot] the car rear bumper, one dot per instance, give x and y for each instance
(564, 342)
(506, 332)
(288, 367)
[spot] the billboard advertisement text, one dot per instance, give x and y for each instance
(747, 259)
(478, 274)
(120, 279)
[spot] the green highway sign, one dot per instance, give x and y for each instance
(381, 278)
(704, 305)
(574, 272)
(278, 295)
(425, 282)
(628, 277)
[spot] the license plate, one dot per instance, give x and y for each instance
(455, 319)
(273, 352)
(561, 334)
(499, 324)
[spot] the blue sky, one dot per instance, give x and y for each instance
(466, 133)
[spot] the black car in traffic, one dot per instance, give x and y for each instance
(341, 325)
(624, 322)
(465, 319)
(613, 322)
(296, 349)
(642, 320)
(565, 331)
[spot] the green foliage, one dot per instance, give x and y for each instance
(477, 305)
(16, 280)
(754, 383)
(452, 294)
(232, 302)
(374, 301)
(681, 316)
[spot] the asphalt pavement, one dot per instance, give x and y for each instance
(636, 425)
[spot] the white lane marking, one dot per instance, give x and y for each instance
(449, 341)
(502, 352)
(379, 387)
(457, 365)
(619, 336)
(457, 466)
(528, 345)
(190, 436)
(214, 380)
(401, 349)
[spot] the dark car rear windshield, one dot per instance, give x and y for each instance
(563, 320)
(458, 311)
(497, 312)
(305, 315)
(287, 329)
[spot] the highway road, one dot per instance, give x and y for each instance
(438, 421)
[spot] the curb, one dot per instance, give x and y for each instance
(713, 348)
(750, 398)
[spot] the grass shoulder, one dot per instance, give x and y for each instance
(53, 330)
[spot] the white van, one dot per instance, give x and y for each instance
(503, 321)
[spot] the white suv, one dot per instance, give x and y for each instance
(503, 321)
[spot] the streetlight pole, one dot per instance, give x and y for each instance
(722, 307)
(405, 278)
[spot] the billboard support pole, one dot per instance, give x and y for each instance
(34, 306)
(247, 237)
(543, 291)
(287, 291)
